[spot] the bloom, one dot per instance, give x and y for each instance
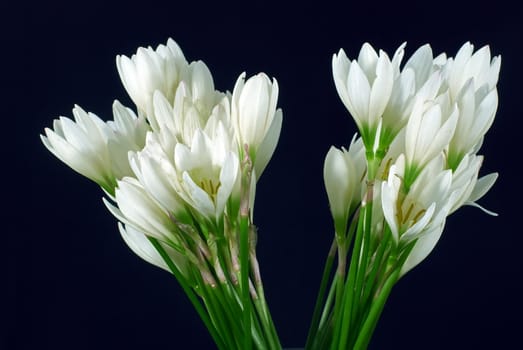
(94, 148)
(137, 209)
(472, 84)
(421, 147)
(255, 119)
(149, 70)
(339, 175)
(419, 211)
(427, 134)
(364, 86)
(141, 246)
(207, 173)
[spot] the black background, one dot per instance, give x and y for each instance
(70, 282)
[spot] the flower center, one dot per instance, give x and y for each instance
(409, 215)
(210, 186)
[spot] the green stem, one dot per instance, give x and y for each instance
(340, 338)
(377, 307)
(361, 267)
(190, 293)
(244, 280)
(267, 325)
(313, 330)
(219, 316)
(325, 326)
(339, 305)
(378, 263)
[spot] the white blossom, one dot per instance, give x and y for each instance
(94, 148)
(149, 70)
(207, 173)
(141, 246)
(427, 135)
(365, 86)
(418, 213)
(255, 119)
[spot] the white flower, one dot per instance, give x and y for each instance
(482, 186)
(256, 121)
(364, 86)
(475, 118)
(420, 78)
(467, 186)
(419, 213)
(141, 246)
(427, 135)
(178, 123)
(207, 173)
(340, 178)
(156, 172)
(96, 149)
(467, 66)
(149, 70)
(136, 208)
(198, 86)
(343, 174)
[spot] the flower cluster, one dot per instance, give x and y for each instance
(180, 174)
(178, 161)
(415, 162)
(421, 127)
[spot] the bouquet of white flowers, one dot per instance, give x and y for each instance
(180, 176)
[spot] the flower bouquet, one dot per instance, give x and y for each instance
(180, 172)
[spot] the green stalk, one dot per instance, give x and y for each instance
(324, 338)
(270, 323)
(361, 272)
(244, 280)
(340, 338)
(377, 307)
(313, 330)
(219, 316)
(267, 326)
(230, 304)
(190, 293)
(328, 305)
(372, 283)
(378, 262)
(325, 323)
(258, 341)
(339, 303)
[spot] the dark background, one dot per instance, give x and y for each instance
(70, 282)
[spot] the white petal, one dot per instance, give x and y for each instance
(228, 176)
(268, 146)
(389, 197)
(417, 229)
(359, 94)
(422, 248)
(421, 63)
(141, 246)
(483, 185)
(340, 72)
(486, 211)
(381, 89)
(199, 199)
(338, 176)
(367, 59)
(140, 210)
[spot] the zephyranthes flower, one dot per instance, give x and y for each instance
(94, 148)
(181, 177)
(422, 125)
(256, 120)
(364, 86)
